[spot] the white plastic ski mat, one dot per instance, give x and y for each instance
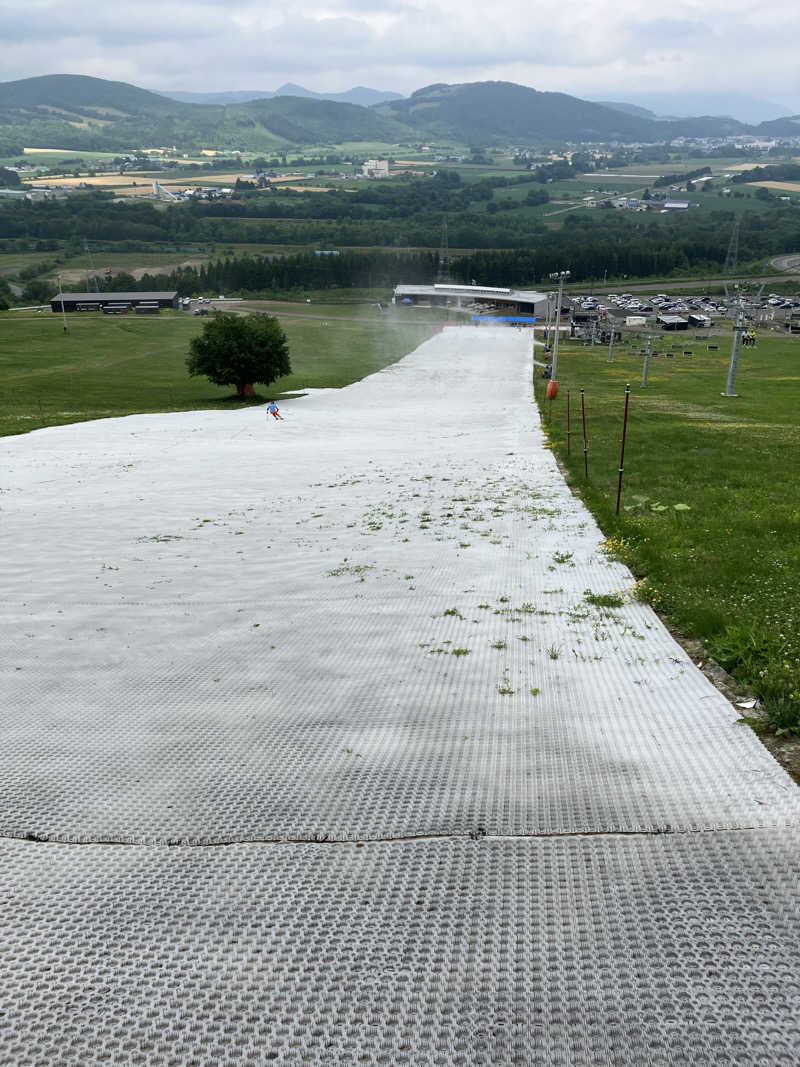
(305, 644)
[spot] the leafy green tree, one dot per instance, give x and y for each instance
(9, 179)
(240, 350)
(39, 291)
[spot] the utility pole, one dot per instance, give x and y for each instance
(646, 367)
(91, 275)
(560, 275)
(732, 256)
(443, 273)
(611, 345)
(63, 312)
(548, 323)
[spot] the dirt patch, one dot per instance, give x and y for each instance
(139, 272)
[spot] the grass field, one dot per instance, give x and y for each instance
(118, 365)
(727, 570)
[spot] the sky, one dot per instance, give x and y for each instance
(612, 51)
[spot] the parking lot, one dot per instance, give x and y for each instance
(771, 307)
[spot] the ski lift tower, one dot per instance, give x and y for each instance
(742, 307)
(91, 273)
(443, 273)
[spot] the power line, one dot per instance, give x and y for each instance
(443, 273)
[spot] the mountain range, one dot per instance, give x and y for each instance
(359, 95)
(78, 112)
(676, 105)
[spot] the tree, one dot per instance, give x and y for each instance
(9, 179)
(240, 350)
(39, 291)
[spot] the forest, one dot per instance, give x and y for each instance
(495, 223)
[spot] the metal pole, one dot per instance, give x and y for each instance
(585, 446)
(730, 388)
(646, 367)
(622, 452)
(554, 372)
(569, 430)
(63, 313)
(611, 345)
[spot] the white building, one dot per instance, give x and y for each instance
(375, 168)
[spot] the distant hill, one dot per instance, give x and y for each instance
(77, 112)
(786, 127)
(359, 95)
(627, 109)
(77, 94)
(677, 105)
(502, 112)
(300, 120)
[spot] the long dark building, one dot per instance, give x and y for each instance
(100, 301)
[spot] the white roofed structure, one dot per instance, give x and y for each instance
(474, 297)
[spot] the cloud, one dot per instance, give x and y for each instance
(334, 44)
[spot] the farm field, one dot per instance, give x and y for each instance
(784, 187)
(144, 178)
(73, 268)
(107, 366)
(710, 522)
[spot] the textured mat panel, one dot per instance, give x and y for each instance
(217, 630)
(369, 622)
(363, 725)
(670, 950)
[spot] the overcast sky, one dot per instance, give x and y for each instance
(609, 50)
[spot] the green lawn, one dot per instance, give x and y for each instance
(119, 365)
(728, 569)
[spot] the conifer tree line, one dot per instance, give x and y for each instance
(590, 246)
(387, 235)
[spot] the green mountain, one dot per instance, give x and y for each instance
(786, 127)
(72, 112)
(628, 109)
(359, 95)
(78, 96)
(76, 112)
(305, 120)
(503, 113)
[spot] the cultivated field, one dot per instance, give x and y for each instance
(786, 187)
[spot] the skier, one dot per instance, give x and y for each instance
(272, 409)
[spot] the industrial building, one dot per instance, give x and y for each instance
(375, 168)
(476, 298)
(99, 301)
